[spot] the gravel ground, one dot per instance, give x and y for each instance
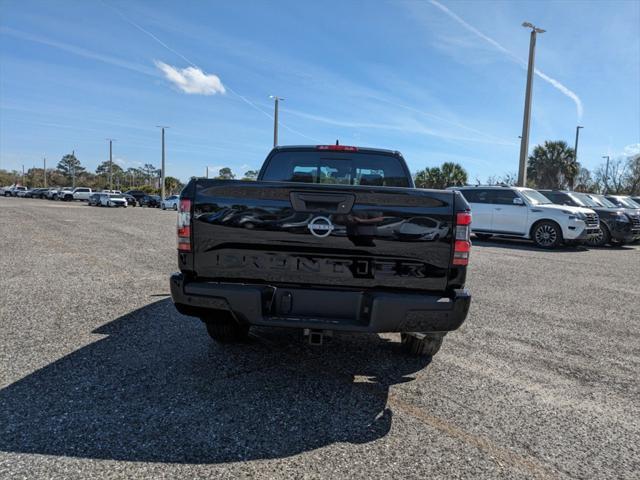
(101, 378)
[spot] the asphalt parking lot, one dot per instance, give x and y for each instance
(101, 378)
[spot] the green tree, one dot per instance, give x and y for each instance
(225, 173)
(172, 185)
(251, 175)
(553, 165)
(69, 166)
(150, 172)
(133, 176)
(583, 181)
(102, 171)
(449, 174)
(633, 175)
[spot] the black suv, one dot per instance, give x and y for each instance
(137, 194)
(616, 227)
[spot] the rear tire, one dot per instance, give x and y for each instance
(483, 236)
(421, 344)
(546, 234)
(223, 328)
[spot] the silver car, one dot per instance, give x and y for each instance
(170, 203)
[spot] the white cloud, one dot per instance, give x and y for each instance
(631, 150)
(192, 80)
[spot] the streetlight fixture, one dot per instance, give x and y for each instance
(276, 100)
(162, 196)
(524, 144)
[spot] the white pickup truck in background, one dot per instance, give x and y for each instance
(78, 193)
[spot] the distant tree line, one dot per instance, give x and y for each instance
(69, 171)
(551, 165)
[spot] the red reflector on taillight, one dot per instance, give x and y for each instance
(463, 218)
(461, 251)
(462, 246)
(339, 148)
(184, 232)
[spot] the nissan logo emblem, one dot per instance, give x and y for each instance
(320, 227)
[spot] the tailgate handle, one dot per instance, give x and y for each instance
(321, 202)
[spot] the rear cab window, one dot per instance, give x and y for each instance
(337, 167)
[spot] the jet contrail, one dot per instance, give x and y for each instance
(241, 97)
(552, 81)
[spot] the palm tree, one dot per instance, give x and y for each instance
(553, 165)
(453, 175)
(448, 175)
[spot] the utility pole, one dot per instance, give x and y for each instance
(275, 118)
(162, 171)
(111, 140)
(44, 169)
(73, 170)
(206, 172)
(524, 144)
(575, 148)
(606, 175)
(575, 152)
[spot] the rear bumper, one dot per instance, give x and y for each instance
(356, 311)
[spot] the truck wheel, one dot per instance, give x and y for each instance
(223, 328)
(421, 344)
(483, 236)
(546, 234)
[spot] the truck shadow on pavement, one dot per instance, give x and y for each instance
(156, 388)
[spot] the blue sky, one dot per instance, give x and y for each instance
(439, 81)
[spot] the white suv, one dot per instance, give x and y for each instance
(526, 213)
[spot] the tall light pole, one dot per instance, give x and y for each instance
(606, 175)
(73, 169)
(575, 148)
(44, 170)
(524, 144)
(162, 164)
(276, 100)
(110, 140)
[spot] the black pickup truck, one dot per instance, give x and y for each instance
(330, 238)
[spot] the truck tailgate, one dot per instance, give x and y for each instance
(322, 235)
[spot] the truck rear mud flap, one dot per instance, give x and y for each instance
(357, 311)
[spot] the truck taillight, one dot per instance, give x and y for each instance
(462, 245)
(184, 225)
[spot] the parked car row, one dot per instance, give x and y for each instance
(132, 198)
(551, 217)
